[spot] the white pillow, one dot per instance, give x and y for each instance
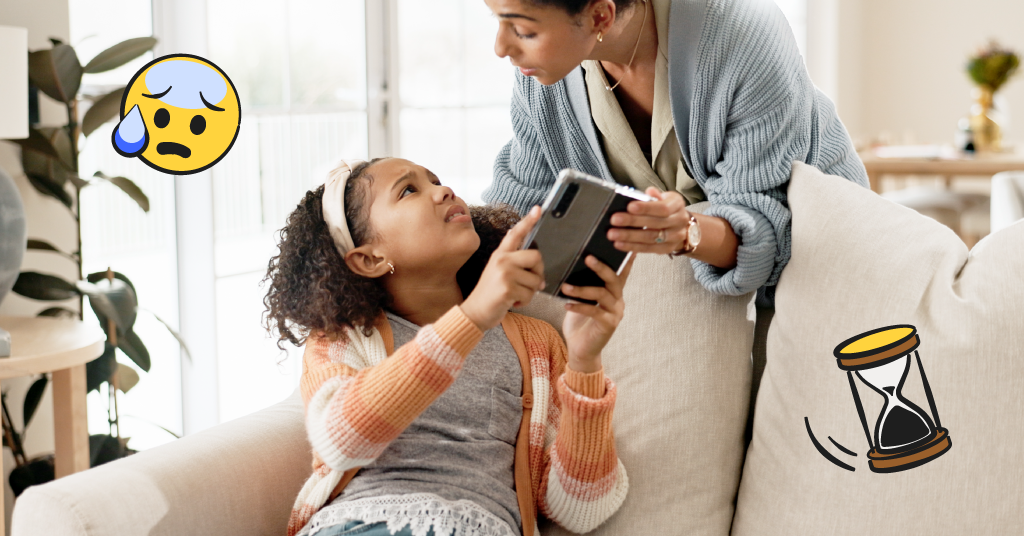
(862, 263)
(681, 361)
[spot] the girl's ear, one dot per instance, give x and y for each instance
(364, 261)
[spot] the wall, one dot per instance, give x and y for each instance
(48, 219)
(901, 64)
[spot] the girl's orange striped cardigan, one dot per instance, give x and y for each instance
(358, 399)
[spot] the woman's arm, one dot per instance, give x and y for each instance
(352, 415)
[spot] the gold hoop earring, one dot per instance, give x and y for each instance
(392, 268)
(600, 37)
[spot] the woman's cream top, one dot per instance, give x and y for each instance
(664, 168)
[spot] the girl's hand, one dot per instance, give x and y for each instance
(666, 218)
(510, 279)
(588, 328)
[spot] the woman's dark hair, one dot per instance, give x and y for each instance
(312, 290)
(575, 7)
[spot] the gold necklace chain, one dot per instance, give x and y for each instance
(635, 47)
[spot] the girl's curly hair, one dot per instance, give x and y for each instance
(313, 290)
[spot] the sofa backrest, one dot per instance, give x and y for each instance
(829, 454)
(681, 361)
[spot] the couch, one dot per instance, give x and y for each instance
(702, 458)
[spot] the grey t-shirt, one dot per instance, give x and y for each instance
(463, 446)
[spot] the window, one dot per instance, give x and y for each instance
(119, 235)
(318, 80)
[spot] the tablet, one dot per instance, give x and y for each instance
(574, 223)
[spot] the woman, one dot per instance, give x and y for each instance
(699, 99)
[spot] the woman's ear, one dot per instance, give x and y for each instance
(601, 15)
(364, 261)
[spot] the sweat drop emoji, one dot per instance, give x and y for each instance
(179, 114)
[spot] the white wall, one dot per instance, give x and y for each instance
(901, 64)
(48, 219)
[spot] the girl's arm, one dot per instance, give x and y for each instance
(582, 481)
(351, 414)
(360, 402)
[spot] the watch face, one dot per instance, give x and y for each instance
(692, 235)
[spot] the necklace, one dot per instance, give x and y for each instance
(636, 46)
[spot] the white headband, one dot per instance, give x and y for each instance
(334, 205)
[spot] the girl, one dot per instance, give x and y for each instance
(430, 408)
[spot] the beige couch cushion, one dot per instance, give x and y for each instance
(681, 360)
(238, 478)
(861, 263)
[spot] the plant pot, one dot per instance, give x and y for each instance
(986, 122)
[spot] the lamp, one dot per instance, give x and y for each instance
(13, 125)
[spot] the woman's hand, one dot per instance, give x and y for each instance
(588, 328)
(667, 221)
(666, 218)
(510, 279)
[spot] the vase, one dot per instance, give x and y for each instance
(986, 122)
(13, 233)
(13, 237)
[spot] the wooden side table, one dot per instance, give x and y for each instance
(63, 347)
(980, 165)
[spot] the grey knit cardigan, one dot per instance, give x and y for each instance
(744, 109)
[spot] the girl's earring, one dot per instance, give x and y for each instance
(600, 37)
(392, 268)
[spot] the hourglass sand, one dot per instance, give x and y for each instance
(905, 436)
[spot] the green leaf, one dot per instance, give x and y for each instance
(100, 370)
(43, 287)
(59, 312)
(128, 187)
(101, 111)
(39, 142)
(44, 185)
(111, 299)
(60, 140)
(41, 245)
(56, 41)
(56, 72)
(32, 399)
(175, 334)
(126, 377)
(96, 277)
(120, 54)
(105, 448)
(39, 470)
(77, 181)
(132, 346)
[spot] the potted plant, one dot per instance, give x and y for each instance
(990, 69)
(50, 161)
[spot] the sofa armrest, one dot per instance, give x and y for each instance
(238, 478)
(1007, 199)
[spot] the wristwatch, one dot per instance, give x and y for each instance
(692, 237)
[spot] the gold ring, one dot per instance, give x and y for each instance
(661, 237)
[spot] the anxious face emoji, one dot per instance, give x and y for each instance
(179, 114)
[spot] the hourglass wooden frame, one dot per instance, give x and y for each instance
(871, 351)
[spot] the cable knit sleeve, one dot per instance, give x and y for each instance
(758, 112)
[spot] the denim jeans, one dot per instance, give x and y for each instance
(358, 528)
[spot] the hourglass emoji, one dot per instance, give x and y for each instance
(905, 436)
